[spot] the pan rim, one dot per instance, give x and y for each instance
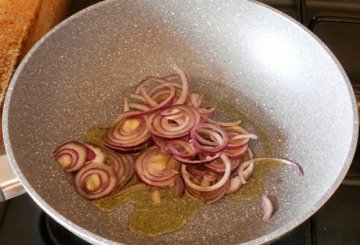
(94, 238)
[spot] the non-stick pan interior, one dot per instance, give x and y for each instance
(240, 52)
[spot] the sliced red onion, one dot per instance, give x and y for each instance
(267, 207)
(211, 196)
(207, 112)
(135, 149)
(127, 133)
(158, 92)
(171, 77)
(168, 126)
(210, 176)
(215, 195)
(71, 156)
(123, 167)
(166, 103)
(196, 99)
(148, 80)
(250, 153)
(166, 113)
(185, 85)
(137, 97)
(238, 140)
(179, 187)
(197, 171)
(206, 159)
(245, 171)
(236, 129)
(181, 149)
(161, 143)
(129, 164)
(95, 180)
(221, 182)
(139, 107)
(218, 166)
(148, 99)
(172, 113)
(297, 167)
(237, 153)
(235, 185)
(156, 169)
(209, 138)
(170, 170)
(126, 105)
(94, 154)
(196, 194)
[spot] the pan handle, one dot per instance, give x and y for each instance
(10, 185)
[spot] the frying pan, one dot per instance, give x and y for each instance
(261, 62)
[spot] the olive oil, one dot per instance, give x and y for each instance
(153, 219)
(94, 135)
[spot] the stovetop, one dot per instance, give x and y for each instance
(337, 24)
(337, 222)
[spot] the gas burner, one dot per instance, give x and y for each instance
(54, 233)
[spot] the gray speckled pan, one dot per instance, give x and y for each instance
(262, 62)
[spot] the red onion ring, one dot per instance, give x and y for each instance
(211, 196)
(196, 100)
(94, 154)
(215, 195)
(197, 171)
(217, 166)
(181, 149)
(171, 77)
(185, 85)
(267, 207)
(165, 126)
(216, 141)
(172, 169)
(166, 103)
(147, 172)
(236, 129)
(207, 112)
(118, 138)
(297, 167)
(159, 91)
(98, 172)
(238, 140)
(161, 143)
(148, 80)
(123, 167)
(71, 156)
(245, 171)
(250, 153)
(139, 107)
(236, 153)
(179, 187)
(221, 182)
(137, 97)
(126, 105)
(235, 185)
(206, 159)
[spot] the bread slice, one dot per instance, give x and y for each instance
(22, 24)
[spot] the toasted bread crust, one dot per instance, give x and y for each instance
(23, 23)
(16, 18)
